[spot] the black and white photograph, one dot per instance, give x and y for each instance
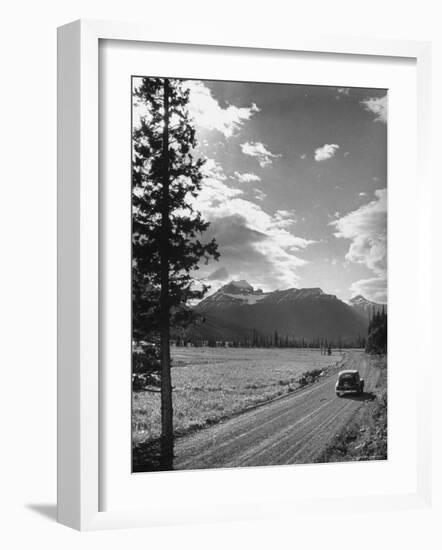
(259, 274)
(221, 275)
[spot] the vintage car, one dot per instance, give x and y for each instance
(349, 381)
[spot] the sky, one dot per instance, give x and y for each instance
(295, 185)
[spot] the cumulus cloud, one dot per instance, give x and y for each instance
(272, 226)
(284, 218)
(325, 152)
(342, 92)
(253, 243)
(259, 195)
(265, 257)
(378, 106)
(214, 190)
(259, 151)
(366, 228)
(214, 193)
(205, 110)
(240, 249)
(246, 177)
(212, 169)
(220, 274)
(209, 114)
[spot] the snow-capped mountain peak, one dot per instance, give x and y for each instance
(359, 299)
(233, 293)
(243, 293)
(365, 306)
(241, 286)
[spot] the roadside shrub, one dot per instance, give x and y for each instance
(145, 366)
(309, 377)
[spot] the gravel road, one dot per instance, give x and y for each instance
(291, 430)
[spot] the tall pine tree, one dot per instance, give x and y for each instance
(166, 228)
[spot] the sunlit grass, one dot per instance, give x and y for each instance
(211, 384)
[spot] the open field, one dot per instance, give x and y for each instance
(212, 384)
(294, 429)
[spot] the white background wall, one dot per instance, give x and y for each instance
(28, 268)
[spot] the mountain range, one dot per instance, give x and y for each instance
(237, 311)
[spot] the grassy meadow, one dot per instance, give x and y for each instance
(211, 384)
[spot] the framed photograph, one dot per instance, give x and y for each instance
(235, 239)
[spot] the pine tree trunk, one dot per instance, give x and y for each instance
(166, 382)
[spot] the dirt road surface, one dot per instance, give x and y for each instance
(291, 430)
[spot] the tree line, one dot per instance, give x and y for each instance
(377, 332)
(275, 340)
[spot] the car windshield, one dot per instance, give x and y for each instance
(348, 377)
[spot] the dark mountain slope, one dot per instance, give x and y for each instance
(236, 310)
